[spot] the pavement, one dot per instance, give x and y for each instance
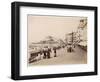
(78, 56)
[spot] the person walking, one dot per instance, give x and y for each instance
(55, 55)
(44, 52)
(48, 53)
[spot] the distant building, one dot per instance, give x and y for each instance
(80, 36)
(49, 41)
(70, 38)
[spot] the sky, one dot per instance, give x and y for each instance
(40, 26)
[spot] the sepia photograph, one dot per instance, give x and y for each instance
(56, 40)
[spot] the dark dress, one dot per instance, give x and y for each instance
(48, 54)
(44, 52)
(54, 52)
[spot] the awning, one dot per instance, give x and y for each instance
(83, 43)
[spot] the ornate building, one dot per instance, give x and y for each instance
(82, 33)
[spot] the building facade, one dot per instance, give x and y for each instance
(82, 33)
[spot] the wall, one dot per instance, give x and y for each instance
(5, 40)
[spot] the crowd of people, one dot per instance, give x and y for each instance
(46, 52)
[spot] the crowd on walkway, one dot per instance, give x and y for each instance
(47, 51)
